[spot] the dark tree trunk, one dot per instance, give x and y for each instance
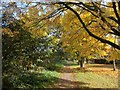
(87, 61)
(81, 62)
(114, 65)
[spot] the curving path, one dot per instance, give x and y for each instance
(68, 79)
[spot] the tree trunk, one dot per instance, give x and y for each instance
(87, 61)
(78, 62)
(114, 65)
(81, 62)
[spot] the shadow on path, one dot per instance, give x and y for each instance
(68, 79)
(63, 83)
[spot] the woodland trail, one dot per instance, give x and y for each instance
(68, 79)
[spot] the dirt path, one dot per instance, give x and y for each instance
(67, 79)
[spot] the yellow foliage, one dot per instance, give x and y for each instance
(102, 53)
(9, 32)
(38, 33)
(114, 55)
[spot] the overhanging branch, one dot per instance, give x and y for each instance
(90, 33)
(116, 13)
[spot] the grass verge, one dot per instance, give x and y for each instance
(97, 81)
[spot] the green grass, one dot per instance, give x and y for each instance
(97, 81)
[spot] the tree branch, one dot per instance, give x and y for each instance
(116, 13)
(112, 18)
(91, 34)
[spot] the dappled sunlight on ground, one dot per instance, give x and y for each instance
(68, 75)
(105, 69)
(68, 80)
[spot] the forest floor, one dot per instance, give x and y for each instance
(93, 76)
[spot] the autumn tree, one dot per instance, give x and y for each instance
(28, 39)
(105, 16)
(26, 45)
(96, 19)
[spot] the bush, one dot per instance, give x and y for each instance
(100, 61)
(31, 80)
(54, 67)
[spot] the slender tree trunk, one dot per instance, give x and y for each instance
(78, 62)
(87, 61)
(82, 62)
(114, 65)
